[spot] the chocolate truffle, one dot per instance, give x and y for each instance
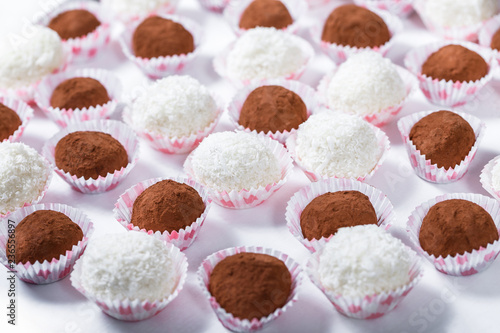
(45, 235)
(325, 214)
(455, 63)
(495, 41)
(74, 23)
(443, 137)
(9, 122)
(272, 109)
(250, 285)
(351, 25)
(79, 93)
(160, 37)
(167, 205)
(90, 154)
(456, 226)
(265, 13)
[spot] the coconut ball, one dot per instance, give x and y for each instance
(366, 83)
(175, 106)
(134, 7)
(364, 260)
(338, 145)
(131, 265)
(459, 13)
(227, 161)
(27, 59)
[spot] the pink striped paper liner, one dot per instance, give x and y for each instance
(182, 238)
(369, 306)
(442, 92)
(84, 48)
(168, 7)
(135, 309)
(214, 5)
(57, 268)
(460, 264)
(486, 178)
(486, 34)
(236, 324)
(247, 198)
(305, 92)
(401, 8)
(118, 131)
(314, 176)
(424, 167)
(299, 201)
(65, 117)
(159, 67)
(379, 117)
(234, 10)
(23, 111)
(220, 63)
(340, 53)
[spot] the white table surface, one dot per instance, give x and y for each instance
(439, 303)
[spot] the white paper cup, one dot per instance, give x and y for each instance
(401, 8)
(486, 178)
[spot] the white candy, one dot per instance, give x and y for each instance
(175, 106)
(130, 265)
(134, 7)
(366, 83)
(458, 13)
(364, 260)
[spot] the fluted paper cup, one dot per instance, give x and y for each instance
(127, 15)
(23, 111)
(486, 178)
(401, 8)
(214, 5)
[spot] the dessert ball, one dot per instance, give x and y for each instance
(167, 206)
(495, 41)
(455, 63)
(74, 23)
(45, 235)
(264, 53)
(443, 137)
(228, 161)
(135, 7)
(79, 93)
(250, 285)
(25, 61)
(366, 83)
(337, 145)
(265, 13)
(175, 106)
(90, 154)
(160, 37)
(456, 226)
(9, 122)
(129, 265)
(272, 109)
(364, 260)
(329, 212)
(23, 175)
(460, 13)
(351, 25)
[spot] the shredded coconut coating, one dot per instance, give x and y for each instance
(364, 260)
(337, 145)
(129, 265)
(134, 7)
(27, 59)
(495, 176)
(23, 175)
(365, 84)
(264, 53)
(459, 13)
(227, 161)
(175, 106)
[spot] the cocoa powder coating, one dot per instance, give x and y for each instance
(272, 108)
(9, 122)
(325, 214)
(456, 226)
(495, 41)
(44, 235)
(74, 23)
(250, 285)
(160, 37)
(443, 137)
(79, 93)
(90, 154)
(455, 63)
(167, 205)
(351, 25)
(265, 13)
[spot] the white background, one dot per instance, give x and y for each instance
(439, 303)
